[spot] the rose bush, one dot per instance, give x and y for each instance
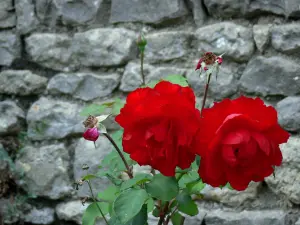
(160, 126)
(230, 144)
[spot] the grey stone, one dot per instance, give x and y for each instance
(21, 82)
(287, 176)
(84, 86)
(199, 13)
(225, 8)
(262, 6)
(234, 40)
(7, 15)
(271, 76)
(26, 19)
(262, 36)
(45, 171)
(167, 45)
(11, 117)
(104, 47)
(71, 211)
(49, 50)
(222, 86)
(298, 222)
(286, 38)
(132, 78)
(40, 216)
(231, 197)
(10, 48)
(289, 113)
(145, 11)
(79, 12)
(262, 217)
(86, 153)
(292, 8)
(53, 119)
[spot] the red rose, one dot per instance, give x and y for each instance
(91, 134)
(160, 124)
(239, 142)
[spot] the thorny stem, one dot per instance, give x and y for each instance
(94, 199)
(142, 68)
(129, 172)
(205, 94)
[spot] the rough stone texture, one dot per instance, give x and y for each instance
(231, 197)
(84, 86)
(262, 6)
(79, 12)
(21, 82)
(71, 211)
(131, 78)
(49, 50)
(225, 8)
(104, 47)
(165, 46)
(45, 171)
(26, 19)
(286, 38)
(218, 216)
(234, 40)
(271, 76)
(289, 113)
(40, 216)
(53, 119)
(287, 175)
(261, 34)
(85, 153)
(199, 13)
(292, 8)
(7, 15)
(9, 48)
(224, 86)
(11, 117)
(155, 11)
(298, 222)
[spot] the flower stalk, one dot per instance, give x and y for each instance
(129, 171)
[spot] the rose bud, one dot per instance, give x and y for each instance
(91, 134)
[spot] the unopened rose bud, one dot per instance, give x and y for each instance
(207, 59)
(91, 134)
(141, 42)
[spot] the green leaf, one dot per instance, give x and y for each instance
(156, 212)
(150, 204)
(186, 204)
(163, 188)
(187, 178)
(88, 177)
(198, 159)
(177, 79)
(177, 219)
(93, 109)
(109, 194)
(92, 212)
(144, 177)
(117, 106)
(139, 219)
(195, 187)
(129, 203)
(153, 83)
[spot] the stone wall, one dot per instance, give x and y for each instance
(58, 55)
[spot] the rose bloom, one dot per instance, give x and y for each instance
(160, 125)
(239, 142)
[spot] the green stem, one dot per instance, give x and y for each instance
(94, 199)
(129, 172)
(142, 68)
(205, 94)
